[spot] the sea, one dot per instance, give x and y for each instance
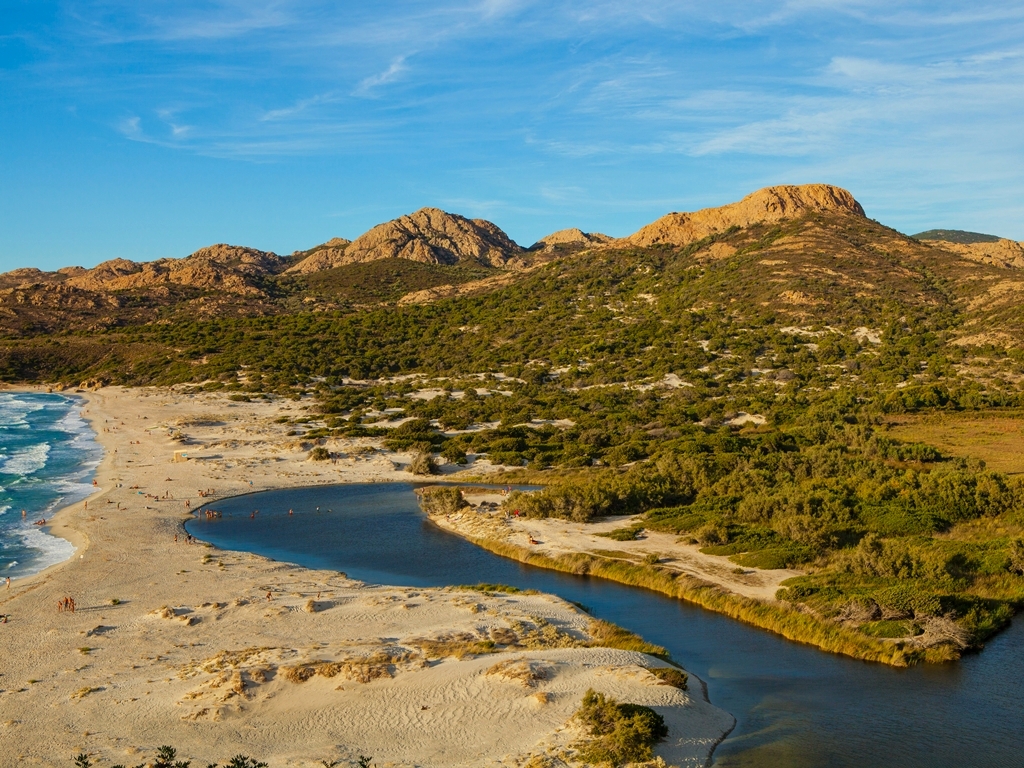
(48, 457)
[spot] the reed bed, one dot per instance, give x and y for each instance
(783, 620)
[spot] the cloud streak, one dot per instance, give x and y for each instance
(368, 85)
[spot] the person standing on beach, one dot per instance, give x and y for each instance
(8, 582)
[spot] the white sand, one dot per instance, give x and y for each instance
(194, 654)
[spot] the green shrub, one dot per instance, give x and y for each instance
(319, 454)
(624, 534)
(454, 453)
(1016, 564)
(423, 464)
(774, 557)
(908, 598)
(671, 676)
(444, 500)
(621, 733)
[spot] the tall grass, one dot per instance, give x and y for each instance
(781, 619)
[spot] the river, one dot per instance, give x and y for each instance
(796, 707)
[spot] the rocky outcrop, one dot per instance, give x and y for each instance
(771, 204)
(227, 268)
(432, 236)
(330, 254)
(571, 238)
(1008, 254)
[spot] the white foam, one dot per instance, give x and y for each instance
(13, 411)
(48, 550)
(26, 461)
(4, 509)
(73, 423)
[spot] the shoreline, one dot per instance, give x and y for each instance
(220, 652)
(76, 538)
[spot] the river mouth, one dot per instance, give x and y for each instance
(795, 706)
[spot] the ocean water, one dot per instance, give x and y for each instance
(48, 455)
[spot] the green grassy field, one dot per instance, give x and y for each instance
(995, 437)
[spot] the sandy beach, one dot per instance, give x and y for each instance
(219, 653)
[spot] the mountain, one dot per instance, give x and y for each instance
(430, 236)
(566, 239)
(955, 236)
(772, 204)
(807, 253)
(732, 373)
(228, 268)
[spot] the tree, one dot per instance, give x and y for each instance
(1017, 556)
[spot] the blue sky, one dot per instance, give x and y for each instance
(149, 128)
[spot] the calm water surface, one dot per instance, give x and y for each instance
(795, 706)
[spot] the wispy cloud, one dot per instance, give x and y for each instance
(369, 84)
(298, 108)
(559, 95)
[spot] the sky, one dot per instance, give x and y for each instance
(143, 129)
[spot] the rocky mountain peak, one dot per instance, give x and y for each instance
(230, 268)
(429, 235)
(433, 236)
(770, 204)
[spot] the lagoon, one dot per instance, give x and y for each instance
(795, 705)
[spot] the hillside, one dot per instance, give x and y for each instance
(790, 256)
(955, 236)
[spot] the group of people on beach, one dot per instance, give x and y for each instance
(66, 604)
